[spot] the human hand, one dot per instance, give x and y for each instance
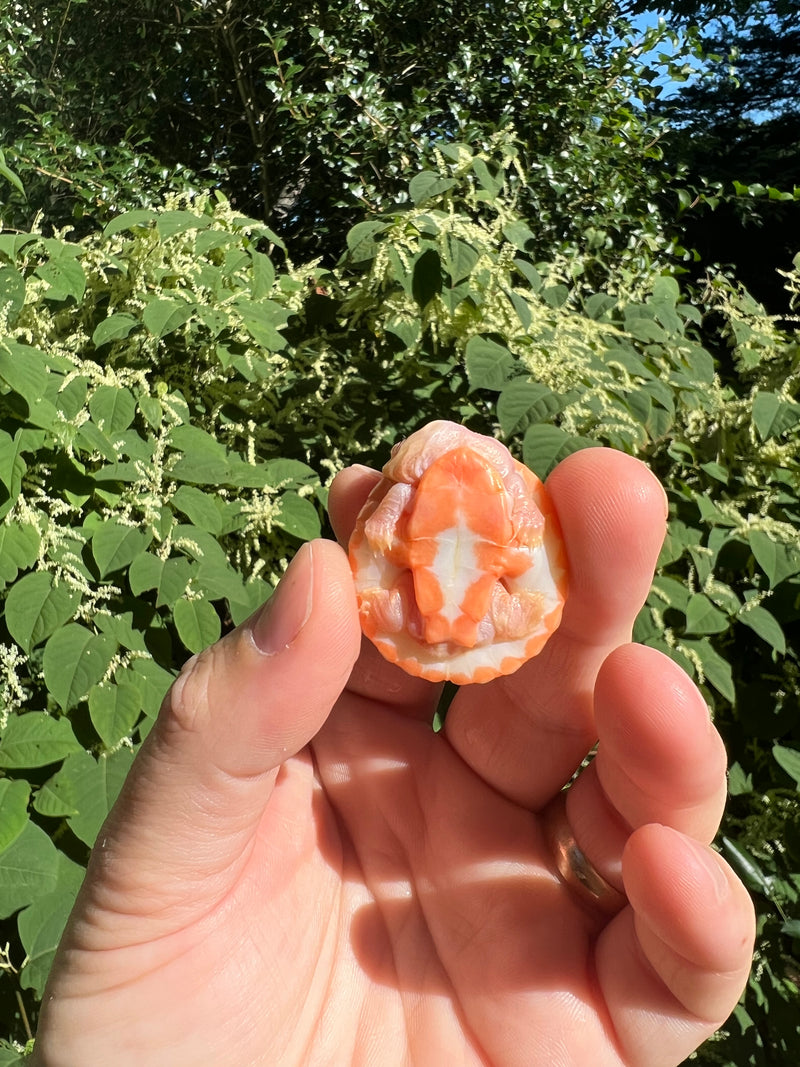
(280, 883)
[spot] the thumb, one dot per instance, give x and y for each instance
(202, 781)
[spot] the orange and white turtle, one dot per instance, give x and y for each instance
(458, 560)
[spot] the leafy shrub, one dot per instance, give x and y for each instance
(172, 407)
(309, 115)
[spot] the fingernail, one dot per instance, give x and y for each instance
(286, 612)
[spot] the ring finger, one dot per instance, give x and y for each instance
(659, 760)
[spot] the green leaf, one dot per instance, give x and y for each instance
(777, 561)
(36, 739)
(19, 547)
(113, 408)
(145, 573)
(11, 244)
(263, 275)
(12, 292)
(197, 624)
(74, 660)
(23, 369)
(408, 332)
(519, 234)
(65, 276)
(298, 516)
(216, 579)
(42, 923)
(72, 397)
(12, 465)
(703, 618)
(460, 259)
(666, 290)
(361, 240)
(716, 669)
(153, 682)
(93, 785)
(10, 175)
(746, 866)
(491, 183)
(90, 438)
(773, 415)
(114, 710)
(163, 316)
(55, 799)
(427, 185)
(28, 869)
(151, 408)
(193, 439)
(119, 626)
(598, 304)
(115, 546)
(129, 220)
(263, 320)
(522, 308)
(670, 592)
(37, 606)
(543, 447)
(174, 580)
(169, 223)
(645, 329)
(766, 626)
(201, 508)
(789, 759)
(114, 328)
(530, 273)
(523, 402)
(488, 364)
(202, 469)
(10, 1056)
(555, 295)
(14, 796)
(247, 475)
(426, 277)
(739, 783)
(283, 472)
(253, 594)
(716, 471)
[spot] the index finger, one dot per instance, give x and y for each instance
(526, 733)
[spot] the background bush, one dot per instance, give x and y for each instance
(495, 241)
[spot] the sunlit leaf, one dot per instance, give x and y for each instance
(74, 660)
(298, 516)
(114, 710)
(197, 623)
(28, 869)
(489, 364)
(37, 606)
(14, 795)
(164, 315)
(115, 545)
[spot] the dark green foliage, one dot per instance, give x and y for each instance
(737, 131)
(312, 116)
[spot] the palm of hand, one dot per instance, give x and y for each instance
(384, 896)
